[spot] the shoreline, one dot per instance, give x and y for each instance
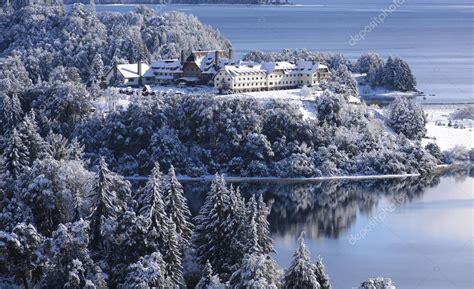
(233, 179)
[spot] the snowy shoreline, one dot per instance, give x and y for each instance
(207, 178)
(278, 179)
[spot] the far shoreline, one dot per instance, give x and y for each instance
(233, 179)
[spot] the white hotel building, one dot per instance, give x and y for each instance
(247, 77)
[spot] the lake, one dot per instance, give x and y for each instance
(417, 231)
(435, 37)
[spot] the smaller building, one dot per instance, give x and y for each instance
(130, 75)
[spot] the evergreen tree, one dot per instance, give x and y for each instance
(397, 75)
(237, 229)
(13, 211)
(130, 235)
(152, 207)
(96, 72)
(253, 245)
(211, 238)
(105, 203)
(321, 275)
(407, 117)
(263, 226)
(57, 146)
(301, 272)
(75, 151)
(68, 258)
(16, 156)
(389, 73)
(18, 251)
(11, 112)
(177, 208)
(148, 272)
(51, 190)
(29, 133)
(172, 255)
(368, 61)
(209, 280)
(257, 271)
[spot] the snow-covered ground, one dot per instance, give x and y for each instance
(460, 133)
(199, 89)
(303, 97)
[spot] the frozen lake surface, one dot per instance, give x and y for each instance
(419, 232)
(436, 37)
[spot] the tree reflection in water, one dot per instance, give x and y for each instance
(323, 209)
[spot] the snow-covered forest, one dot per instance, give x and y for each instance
(68, 216)
(55, 45)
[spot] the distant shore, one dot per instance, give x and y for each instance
(197, 2)
(207, 178)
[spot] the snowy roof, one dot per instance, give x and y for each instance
(167, 65)
(247, 68)
(206, 60)
(131, 70)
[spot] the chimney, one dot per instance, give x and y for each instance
(182, 57)
(139, 73)
(216, 61)
(231, 54)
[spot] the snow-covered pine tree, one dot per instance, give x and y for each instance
(148, 272)
(321, 275)
(45, 189)
(125, 244)
(263, 226)
(209, 280)
(75, 151)
(57, 146)
(105, 204)
(404, 80)
(407, 117)
(301, 272)
(372, 65)
(389, 71)
(252, 245)
(236, 228)
(210, 238)
(172, 255)
(397, 75)
(96, 72)
(257, 271)
(18, 251)
(177, 208)
(151, 205)
(13, 211)
(11, 112)
(69, 262)
(16, 156)
(29, 133)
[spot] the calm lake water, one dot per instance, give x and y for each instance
(435, 37)
(419, 232)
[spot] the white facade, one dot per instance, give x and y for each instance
(247, 77)
(130, 74)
